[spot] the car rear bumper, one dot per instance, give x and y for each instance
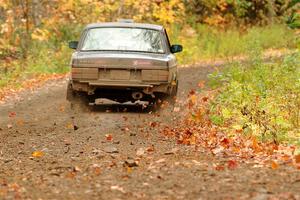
(91, 86)
(121, 83)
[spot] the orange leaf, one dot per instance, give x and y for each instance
(219, 167)
(274, 165)
(129, 170)
(151, 148)
(255, 145)
(97, 171)
(37, 154)
(297, 158)
(20, 122)
(201, 84)
(62, 108)
(70, 175)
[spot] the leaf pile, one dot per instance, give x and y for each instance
(197, 129)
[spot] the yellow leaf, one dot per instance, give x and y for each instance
(129, 170)
(39, 34)
(37, 154)
(194, 99)
(70, 126)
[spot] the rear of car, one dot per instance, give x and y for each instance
(123, 62)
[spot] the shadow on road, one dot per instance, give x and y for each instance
(120, 108)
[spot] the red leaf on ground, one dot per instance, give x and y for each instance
(109, 137)
(153, 124)
(225, 142)
(205, 99)
(232, 164)
(275, 147)
(192, 92)
(12, 114)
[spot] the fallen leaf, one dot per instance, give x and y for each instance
(70, 175)
(70, 126)
(129, 170)
(62, 108)
(219, 168)
(297, 158)
(201, 84)
(97, 171)
(12, 114)
(37, 154)
(232, 164)
(225, 142)
(193, 99)
(109, 137)
(20, 122)
(205, 99)
(153, 124)
(150, 149)
(274, 165)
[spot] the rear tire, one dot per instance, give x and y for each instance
(173, 94)
(79, 101)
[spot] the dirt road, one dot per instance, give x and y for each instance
(49, 152)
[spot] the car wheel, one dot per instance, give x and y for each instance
(173, 94)
(78, 101)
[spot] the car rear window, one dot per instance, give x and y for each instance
(123, 39)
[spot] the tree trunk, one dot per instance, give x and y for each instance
(271, 11)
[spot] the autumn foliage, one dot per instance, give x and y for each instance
(198, 129)
(28, 20)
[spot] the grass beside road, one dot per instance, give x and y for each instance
(259, 99)
(203, 42)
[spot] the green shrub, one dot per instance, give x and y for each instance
(204, 42)
(261, 98)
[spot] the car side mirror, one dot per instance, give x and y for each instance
(176, 48)
(73, 44)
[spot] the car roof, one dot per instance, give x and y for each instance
(124, 24)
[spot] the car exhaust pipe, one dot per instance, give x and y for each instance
(137, 95)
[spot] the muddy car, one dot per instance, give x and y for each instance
(123, 61)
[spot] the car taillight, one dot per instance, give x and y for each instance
(155, 75)
(84, 73)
